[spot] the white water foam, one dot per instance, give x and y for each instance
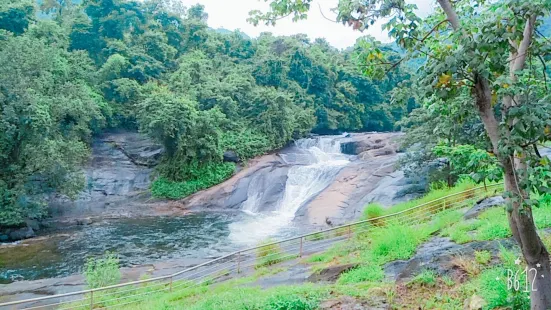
(315, 164)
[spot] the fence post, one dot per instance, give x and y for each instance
(238, 261)
(171, 283)
(92, 300)
(349, 232)
(300, 250)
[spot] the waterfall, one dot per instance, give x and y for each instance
(314, 163)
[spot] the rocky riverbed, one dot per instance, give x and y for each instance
(116, 213)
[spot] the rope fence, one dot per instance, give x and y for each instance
(247, 261)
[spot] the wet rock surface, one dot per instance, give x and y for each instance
(118, 176)
(370, 177)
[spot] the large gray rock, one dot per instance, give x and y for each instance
(231, 156)
(22, 233)
(483, 205)
(437, 254)
(331, 274)
(119, 170)
(138, 148)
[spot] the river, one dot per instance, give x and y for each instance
(312, 165)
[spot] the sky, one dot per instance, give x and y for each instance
(233, 14)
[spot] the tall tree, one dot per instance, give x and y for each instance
(482, 47)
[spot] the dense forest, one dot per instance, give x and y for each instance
(70, 72)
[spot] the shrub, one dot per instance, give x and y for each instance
(291, 302)
(104, 271)
(482, 257)
(373, 210)
(496, 293)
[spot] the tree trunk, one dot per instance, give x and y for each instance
(520, 219)
(534, 252)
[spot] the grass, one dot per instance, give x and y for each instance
(482, 257)
(364, 273)
(425, 278)
(269, 253)
(492, 224)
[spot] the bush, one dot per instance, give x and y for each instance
(104, 271)
(202, 177)
(291, 302)
(373, 210)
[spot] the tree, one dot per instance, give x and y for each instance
(481, 47)
(48, 111)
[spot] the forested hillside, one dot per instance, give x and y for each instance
(70, 72)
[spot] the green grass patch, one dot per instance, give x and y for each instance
(364, 273)
(425, 278)
(482, 257)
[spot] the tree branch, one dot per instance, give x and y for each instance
(544, 71)
(525, 43)
(450, 13)
(323, 15)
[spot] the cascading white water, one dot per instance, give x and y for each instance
(314, 164)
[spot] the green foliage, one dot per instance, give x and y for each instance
(49, 109)
(373, 210)
(198, 178)
(103, 271)
(467, 160)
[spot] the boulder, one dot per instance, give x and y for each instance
(484, 205)
(22, 233)
(437, 254)
(331, 274)
(231, 156)
(354, 146)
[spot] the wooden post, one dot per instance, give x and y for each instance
(92, 300)
(238, 262)
(170, 283)
(300, 250)
(349, 232)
